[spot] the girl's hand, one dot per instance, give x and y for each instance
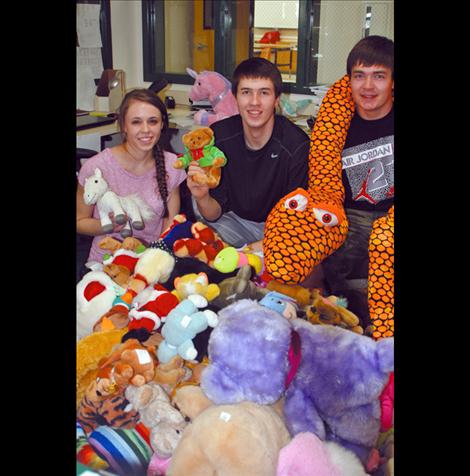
(116, 226)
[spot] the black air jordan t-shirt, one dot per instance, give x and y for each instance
(368, 158)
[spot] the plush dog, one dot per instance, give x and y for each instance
(165, 422)
(332, 378)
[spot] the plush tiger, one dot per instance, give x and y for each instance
(307, 226)
(103, 405)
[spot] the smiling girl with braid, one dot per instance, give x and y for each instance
(140, 165)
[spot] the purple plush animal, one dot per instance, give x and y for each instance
(334, 377)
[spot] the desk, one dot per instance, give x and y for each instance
(92, 138)
(180, 123)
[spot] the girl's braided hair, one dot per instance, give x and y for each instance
(145, 95)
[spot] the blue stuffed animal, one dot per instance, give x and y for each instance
(181, 326)
(284, 305)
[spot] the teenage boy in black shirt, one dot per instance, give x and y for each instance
(368, 168)
(267, 157)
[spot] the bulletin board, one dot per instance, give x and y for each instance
(105, 29)
(94, 48)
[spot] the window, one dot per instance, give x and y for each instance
(308, 40)
(199, 34)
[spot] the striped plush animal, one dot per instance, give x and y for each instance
(307, 226)
(102, 404)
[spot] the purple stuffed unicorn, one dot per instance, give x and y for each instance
(212, 86)
(332, 378)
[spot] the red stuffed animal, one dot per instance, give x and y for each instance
(204, 245)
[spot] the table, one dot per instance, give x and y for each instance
(265, 49)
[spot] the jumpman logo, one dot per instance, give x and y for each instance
(363, 192)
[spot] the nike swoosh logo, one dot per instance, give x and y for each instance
(273, 156)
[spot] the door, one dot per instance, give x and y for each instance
(203, 37)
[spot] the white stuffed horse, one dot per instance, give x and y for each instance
(97, 192)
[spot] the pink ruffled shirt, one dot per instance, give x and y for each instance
(125, 183)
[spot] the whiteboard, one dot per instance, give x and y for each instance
(276, 14)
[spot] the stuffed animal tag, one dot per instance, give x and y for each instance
(225, 416)
(185, 321)
(143, 356)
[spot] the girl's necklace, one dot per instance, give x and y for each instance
(128, 152)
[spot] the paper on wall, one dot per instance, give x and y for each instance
(89, 68)
(85, 88)
(90, 57)
(88, 25)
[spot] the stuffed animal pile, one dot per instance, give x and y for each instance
(210, 373)
(191, 359)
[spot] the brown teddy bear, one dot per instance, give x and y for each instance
(199, 145)
(132, 363)
(120, 265)
(169, 374)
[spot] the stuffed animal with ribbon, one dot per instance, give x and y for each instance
(215, 88)
(200, 148)
(334, 380)
(307, 226)
(153, 266)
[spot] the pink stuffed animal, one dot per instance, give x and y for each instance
(307, 455)
(212, 86)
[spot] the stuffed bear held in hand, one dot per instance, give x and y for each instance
(199, 146)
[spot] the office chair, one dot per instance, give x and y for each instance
(82, 154)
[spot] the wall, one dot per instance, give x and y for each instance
(126, 28)
(276, 14)
(341, 27)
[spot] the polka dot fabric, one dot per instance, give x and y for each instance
(381, 276)
(305, 227)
